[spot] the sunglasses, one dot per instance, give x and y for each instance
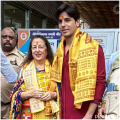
(5, 37)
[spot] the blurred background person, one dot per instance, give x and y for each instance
(110, 62)
(8, 45)
(110, 102)
(7, 69)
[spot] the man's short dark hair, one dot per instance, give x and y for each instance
(70, 9)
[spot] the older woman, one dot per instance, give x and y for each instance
(33, 95)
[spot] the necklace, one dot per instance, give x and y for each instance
(40, 67)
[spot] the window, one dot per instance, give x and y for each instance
(13, 16)
(51, 23)
(36, 22)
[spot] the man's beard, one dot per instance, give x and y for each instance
(7, 48)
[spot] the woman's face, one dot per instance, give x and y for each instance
(39, 49)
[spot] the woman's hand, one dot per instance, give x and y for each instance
(49, 96)
(33, 93)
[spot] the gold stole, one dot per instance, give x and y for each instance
(83, 55)
(29, 76)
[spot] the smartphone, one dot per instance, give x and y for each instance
(110, 87)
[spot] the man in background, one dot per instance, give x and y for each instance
(8, 44)
(110, 101)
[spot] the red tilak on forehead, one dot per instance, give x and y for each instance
(37, 43)
(62, 17)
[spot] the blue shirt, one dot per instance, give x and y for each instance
(7, 69)
(110, 62)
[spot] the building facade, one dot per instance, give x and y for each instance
(29, 14)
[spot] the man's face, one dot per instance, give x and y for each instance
(67, 25)
(8, 39)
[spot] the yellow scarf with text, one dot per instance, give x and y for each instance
(83, 56)
(29, 76)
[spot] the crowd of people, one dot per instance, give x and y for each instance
(68, 85)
